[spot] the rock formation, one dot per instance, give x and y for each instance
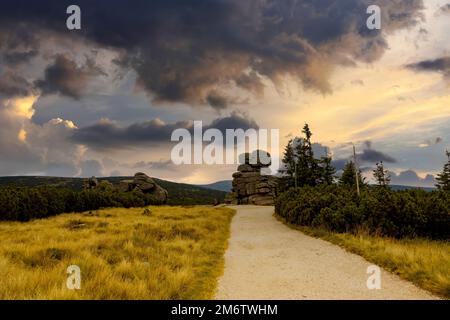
(143, 183)
(250, 186)
(90, 183)
(140, 182)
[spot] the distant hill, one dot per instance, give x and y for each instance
(224, 185)
(179, 193)
(401, 188)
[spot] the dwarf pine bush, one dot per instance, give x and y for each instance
(381, 211)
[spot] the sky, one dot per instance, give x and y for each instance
(104, 100)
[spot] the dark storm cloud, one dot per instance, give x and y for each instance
(65, 77)
(14, 85)
(436, 65)
(18, 44)
(373, 156)
(18, 57)
(184, 50)
(109, 135)
(217, 101)
(370, 155)
(251, 82)
(234, 121)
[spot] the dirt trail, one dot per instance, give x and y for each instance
(268, 260)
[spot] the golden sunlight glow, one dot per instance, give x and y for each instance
(387, 102)
(22, 135)
(23, 106)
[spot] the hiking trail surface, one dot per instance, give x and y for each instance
(268, 260)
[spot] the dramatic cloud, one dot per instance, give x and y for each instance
(411, 178)
(441, 65)
(109, 135)
(19, 46)
(367, 156)
(35, 149)
(14, 85)
(66, 78)
(372, 156)
(183, 51)
(15, 58)
(234, 121)
(134, 62)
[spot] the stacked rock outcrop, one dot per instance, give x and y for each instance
(140, 182)
(143, 183)
(250, 186)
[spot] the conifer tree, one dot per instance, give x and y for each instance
(327, 171)
(308, 171)
(288, 158)
(443, 178)
(303, 166)
(381, 175)
(348, 177)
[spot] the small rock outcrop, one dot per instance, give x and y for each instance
(140, 182)
(90, 183)
(250, 186)
(143, 183)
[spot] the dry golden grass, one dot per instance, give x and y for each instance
(421, 261)
(175, 253)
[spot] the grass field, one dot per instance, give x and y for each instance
(421, 261)
(173, 253)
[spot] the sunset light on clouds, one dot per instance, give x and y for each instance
(112, 97)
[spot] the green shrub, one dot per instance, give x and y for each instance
(24, 204)
(381, 211)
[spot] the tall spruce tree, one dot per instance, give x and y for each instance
(381, 175)
(308, 172)
(289, 158)
(327, 171)
(348, 177)
(443, 178)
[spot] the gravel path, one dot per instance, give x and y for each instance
(268, 260)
